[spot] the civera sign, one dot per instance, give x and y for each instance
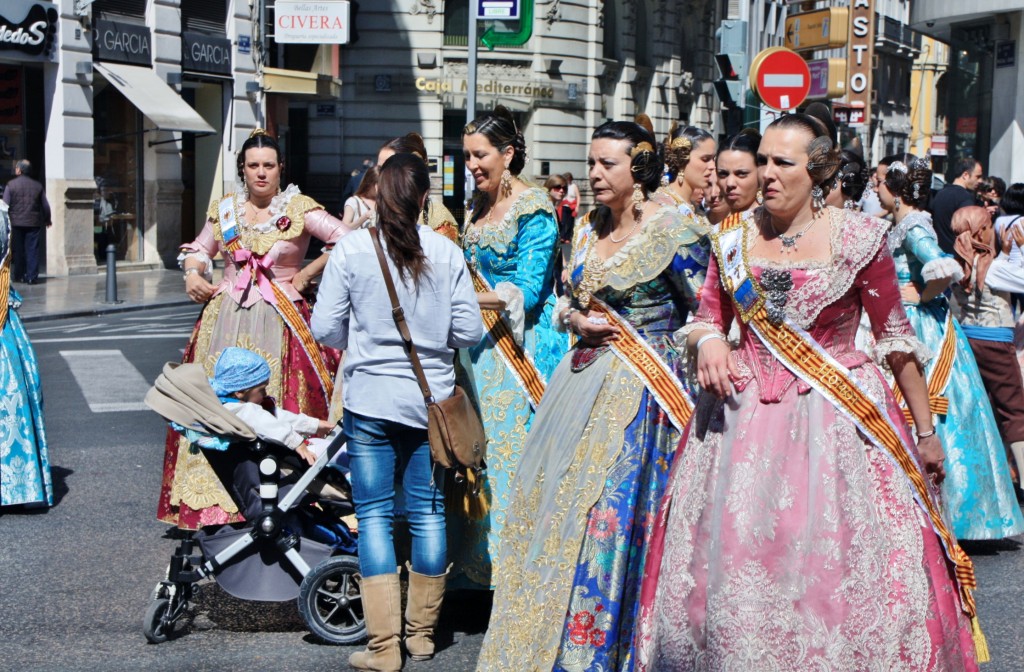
(28, 28)
(324, 22)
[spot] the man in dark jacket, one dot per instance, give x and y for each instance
(29, 212)
(952, 197)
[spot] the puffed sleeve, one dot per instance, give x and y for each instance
(880, 295)
(535, 263)
(324, 226)
(204, 248)
(937, 265)
(330, 319)
(715, 312)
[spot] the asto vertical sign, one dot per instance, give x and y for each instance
(862, 52)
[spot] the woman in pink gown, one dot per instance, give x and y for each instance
(790, 536)
(263, 233)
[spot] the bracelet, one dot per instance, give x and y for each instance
(568, 317)
(925, 435)
(189, 271)
(707, 337)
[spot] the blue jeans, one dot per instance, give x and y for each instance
(380, 453)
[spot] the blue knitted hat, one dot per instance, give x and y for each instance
(238, 369)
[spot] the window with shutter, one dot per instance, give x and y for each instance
(113, 9)
(204, 16)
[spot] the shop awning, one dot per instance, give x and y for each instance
(153, 98)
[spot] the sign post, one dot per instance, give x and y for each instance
(820, 29)
(781, 78)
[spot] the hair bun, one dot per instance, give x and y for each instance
(644, 121)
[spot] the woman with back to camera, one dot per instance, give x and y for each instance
(598, 455)
(263, 233)
(801, 529)
(435, 215)
(510, 242)
(977, 493)
(851, 180)
(385, 415)
(736, 171)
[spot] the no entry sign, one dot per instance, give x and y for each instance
(780, 77)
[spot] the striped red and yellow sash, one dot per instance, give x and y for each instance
(645, 362)
(516, 360)
(808, 360)
(291, 316)
(939, 380)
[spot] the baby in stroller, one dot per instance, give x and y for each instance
(292, 516)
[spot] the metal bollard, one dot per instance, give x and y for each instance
(111, 274)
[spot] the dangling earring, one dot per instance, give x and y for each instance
(245, 189)
(896, 202)
(817, 197)
(638, 201)
(506, 183)
(848, 204)
(759, 197)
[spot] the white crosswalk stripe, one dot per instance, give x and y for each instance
(109, 382)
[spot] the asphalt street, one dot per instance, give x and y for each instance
(75, 580)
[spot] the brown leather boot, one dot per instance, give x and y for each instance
(382, 607)
(426, 593)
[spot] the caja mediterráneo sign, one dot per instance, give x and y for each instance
(493, 87)
(28, 28)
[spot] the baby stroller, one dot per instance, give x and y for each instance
(294, 517)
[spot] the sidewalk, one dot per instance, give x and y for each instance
(81, 295)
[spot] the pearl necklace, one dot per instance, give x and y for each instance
(631, 232)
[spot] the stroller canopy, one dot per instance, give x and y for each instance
(182, 394)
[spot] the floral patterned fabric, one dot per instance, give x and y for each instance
(191, 495)
(24, 455)
(977, 493)
(785, 540)
(516, 256)
(594, 468)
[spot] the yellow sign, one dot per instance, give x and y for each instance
(820, 29)
(828, 78)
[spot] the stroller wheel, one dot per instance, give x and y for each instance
(331, 601)
(154, 624)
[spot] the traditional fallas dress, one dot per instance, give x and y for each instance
(508, 370)
(24, 457)
(256, 307)
(798, 531)
(597, 459)
(977, 494)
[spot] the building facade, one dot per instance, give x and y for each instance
(979, 94)
(584, 63)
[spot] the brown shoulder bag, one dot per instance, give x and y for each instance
(456, 436)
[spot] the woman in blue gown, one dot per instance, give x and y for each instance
(24, 463)
(977, 493)
(598, 456)
(510, 243)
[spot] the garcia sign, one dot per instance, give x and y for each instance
(122, 42)
(28, 27)
(205, 53)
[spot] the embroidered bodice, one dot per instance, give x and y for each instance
(826, 299)
(280, 243)
(520, 249)
(653, 281)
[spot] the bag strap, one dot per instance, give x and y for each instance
(399, 316)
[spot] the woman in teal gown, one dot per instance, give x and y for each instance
(510, 243)
(24, 461)
(977, 493)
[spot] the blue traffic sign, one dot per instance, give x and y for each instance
(497, 9)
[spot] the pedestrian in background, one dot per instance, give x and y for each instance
(24, 456)
(952, 197)
(984, 299)
(385, 418)
(556, 186)
(359, 208)
(29, 213)
(572, 195)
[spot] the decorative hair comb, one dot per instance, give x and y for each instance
(682, 143)
(258, 131)
(899, 167)
(640, 148)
